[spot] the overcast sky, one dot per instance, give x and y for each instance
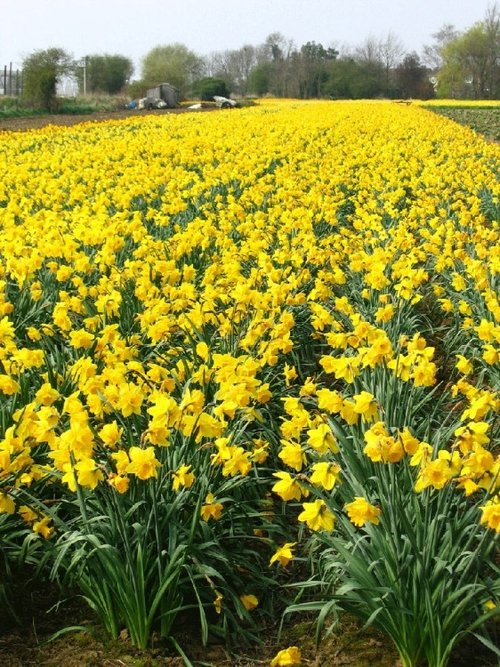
(133, 27)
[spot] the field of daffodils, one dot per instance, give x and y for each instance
(250, 366)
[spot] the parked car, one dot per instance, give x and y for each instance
(224, 102)
(151, 103)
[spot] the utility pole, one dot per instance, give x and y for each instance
(83, 64)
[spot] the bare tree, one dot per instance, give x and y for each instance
(432, 54)
(275, 47)
(279, 52)
(232, 66)
(245, 60)
(491, 25)
(369, 58)
(391, 50)
(369, 51)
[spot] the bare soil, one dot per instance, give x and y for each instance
(54, 630)
(38, 639)
(35, 122)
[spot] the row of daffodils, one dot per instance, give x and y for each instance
(235, 341)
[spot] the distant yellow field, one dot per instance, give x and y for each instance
(460, 103)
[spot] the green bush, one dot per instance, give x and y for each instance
(206, 88)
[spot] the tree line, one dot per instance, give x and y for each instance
(456, 64)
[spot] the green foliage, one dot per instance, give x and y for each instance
(353, 80)
(41, 72)
(481, 119)
(105, 73)
(412, 79)
(19, 112)
(470, 61)
(67, 105)
(260, 78)
(425, 573)
(206, 88)
(151, 550)
(8, 103)
(91, 104)
(136, 89)
(428, 580)
(172, 63)
(313, 64)
(109, 542)
(19, 557)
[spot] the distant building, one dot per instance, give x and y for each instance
(166, 92)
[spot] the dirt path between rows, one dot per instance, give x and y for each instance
(35, 122)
